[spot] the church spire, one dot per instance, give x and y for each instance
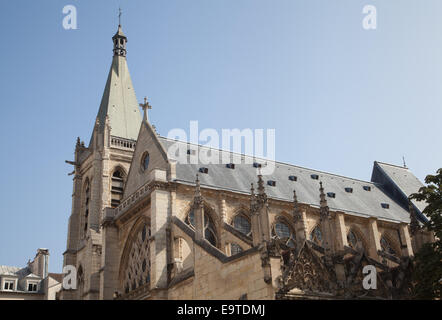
(119, 102)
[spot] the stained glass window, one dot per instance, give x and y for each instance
(209, 227)
(316, 235)
(138, 266)
(242, 224)
(282, 231)
(386, 247)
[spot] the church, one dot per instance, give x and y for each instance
(144, 225)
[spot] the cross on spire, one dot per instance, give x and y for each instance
(145, 107)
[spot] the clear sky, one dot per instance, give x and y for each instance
(338, 96)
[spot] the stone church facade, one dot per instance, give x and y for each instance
(145, 226)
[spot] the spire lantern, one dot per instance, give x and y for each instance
(120, 41)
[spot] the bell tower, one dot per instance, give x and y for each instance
(100, 173)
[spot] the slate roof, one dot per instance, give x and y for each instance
(359, 202)
(407, 182)
(17, 272)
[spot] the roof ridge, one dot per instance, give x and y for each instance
(276, 161)
(392, 165)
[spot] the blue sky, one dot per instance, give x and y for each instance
(338, 96)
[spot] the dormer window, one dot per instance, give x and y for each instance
(230, 165)
(293, 178)
(191, 152)
(271, 183)
(204, 170)
(331, 194)
(257, 165)
(32, 287)
(9, 285)
(314, 176)
(385, 205)
(367, 188)
(349, 190)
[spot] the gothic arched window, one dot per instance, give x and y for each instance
(138, 265)
(87, 196)
(354, 240)
(316, 235)
(235, 249)
(117, 187)
(80, 282)
(241, 223)
(284, 232)
(387, 248)
(209, 227)
(145, 161)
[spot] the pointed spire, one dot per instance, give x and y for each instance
(119, 102)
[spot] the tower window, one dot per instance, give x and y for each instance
(314, 176)
(85, 215)
(117, 188)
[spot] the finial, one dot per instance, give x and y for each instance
(119, 17)
(296, 214)
(119, 40)
(146, 106)
(198, 199)
(198, 186)
(323, 201)
(261, 189)
(403, 159)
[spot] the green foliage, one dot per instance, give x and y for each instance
(427, 273)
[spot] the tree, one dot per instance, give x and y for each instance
(428, 260)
